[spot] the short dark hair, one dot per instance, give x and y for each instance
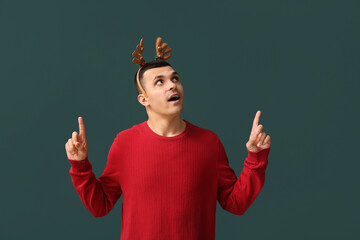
(153, 64)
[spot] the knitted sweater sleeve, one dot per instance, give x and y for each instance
(98, 195)
(235, 195)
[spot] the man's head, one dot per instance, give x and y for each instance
(160, 81)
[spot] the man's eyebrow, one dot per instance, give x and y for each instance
(160, 76)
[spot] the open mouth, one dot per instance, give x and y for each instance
(174, 99)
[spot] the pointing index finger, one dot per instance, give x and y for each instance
(81, 126)
(256, 119)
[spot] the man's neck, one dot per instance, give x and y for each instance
(167, 127)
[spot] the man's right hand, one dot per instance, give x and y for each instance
(76, 147)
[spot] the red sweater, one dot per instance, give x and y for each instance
(170, 185)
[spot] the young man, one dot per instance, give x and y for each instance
(170, 172)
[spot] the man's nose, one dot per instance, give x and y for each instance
(172, 85)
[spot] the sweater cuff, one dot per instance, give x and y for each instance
(258, 157)
(80, 166)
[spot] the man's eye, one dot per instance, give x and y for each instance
(177, 79)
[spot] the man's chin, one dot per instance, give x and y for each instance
(177, 112)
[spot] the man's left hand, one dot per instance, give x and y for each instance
(258, 139)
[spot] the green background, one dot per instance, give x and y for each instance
(296, 61)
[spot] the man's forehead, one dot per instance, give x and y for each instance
(153, 72)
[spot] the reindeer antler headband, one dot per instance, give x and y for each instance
(139, 59)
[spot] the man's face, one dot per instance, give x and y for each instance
(160, 83)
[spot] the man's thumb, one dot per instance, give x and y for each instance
(76, 139)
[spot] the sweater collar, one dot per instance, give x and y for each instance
(149, 131)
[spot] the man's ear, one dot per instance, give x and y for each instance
(142, 100)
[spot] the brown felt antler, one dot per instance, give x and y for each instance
(139, 59)
(160, 47)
